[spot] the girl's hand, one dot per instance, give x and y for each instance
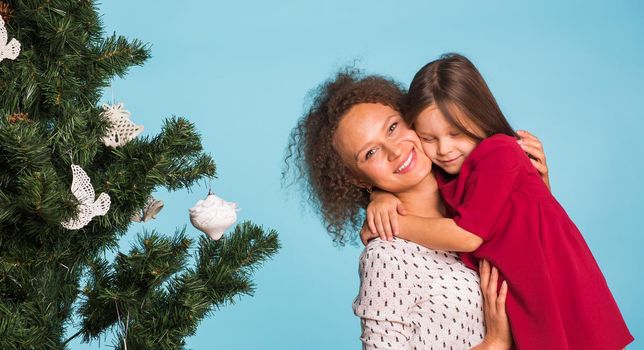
(382, 214)
(366, 235)
(497, 325)
(533, 147)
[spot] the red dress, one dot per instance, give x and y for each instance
(558, 297)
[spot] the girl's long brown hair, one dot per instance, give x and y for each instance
(453, 81)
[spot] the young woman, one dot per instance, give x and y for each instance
(353, 139)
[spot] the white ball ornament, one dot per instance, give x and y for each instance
(213, 215)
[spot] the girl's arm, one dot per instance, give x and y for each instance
(382, 216)
(438, 234)
(385, 209)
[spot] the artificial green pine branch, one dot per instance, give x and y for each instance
(159, 302)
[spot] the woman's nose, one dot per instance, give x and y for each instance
(394, 151)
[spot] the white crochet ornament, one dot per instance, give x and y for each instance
(213, 215)
(149, 211)
(8, 49)
(84, 192)
(122, 129)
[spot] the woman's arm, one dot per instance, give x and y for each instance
(438, 234)
(385, 324)
(385, 334)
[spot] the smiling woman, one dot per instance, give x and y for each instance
(354, 139)
(378, 147)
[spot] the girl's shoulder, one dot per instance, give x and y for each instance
(499, 147)
(495, 142)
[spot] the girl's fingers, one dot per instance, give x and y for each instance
(371, 222)
(393, 217)
(386, 223)
(379, 227)
(400, 208)
(365, 234)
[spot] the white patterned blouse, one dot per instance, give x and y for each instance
(416, 298)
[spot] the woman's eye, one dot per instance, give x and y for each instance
(369, 154)
(393, 127)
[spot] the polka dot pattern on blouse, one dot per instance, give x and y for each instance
(416, 298)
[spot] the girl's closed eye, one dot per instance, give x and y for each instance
(455, 133)
(427, 139)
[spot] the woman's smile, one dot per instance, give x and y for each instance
(408, 164)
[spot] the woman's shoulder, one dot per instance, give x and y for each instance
(404, 252)
(397, 246)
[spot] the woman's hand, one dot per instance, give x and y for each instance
(382, 215)
(533, 147)
(497, 325)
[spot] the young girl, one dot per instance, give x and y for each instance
(503, 212)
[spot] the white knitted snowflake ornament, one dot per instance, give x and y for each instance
(88, 207)
(8, 49)
(122, 129)
(213, 215)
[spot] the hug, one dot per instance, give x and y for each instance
(466, 247)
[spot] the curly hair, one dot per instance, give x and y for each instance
(313, 162)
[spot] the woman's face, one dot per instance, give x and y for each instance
(380, 149)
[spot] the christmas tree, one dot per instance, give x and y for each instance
(59, 147)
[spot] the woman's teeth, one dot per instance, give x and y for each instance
(406, 163)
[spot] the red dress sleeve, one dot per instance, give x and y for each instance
(485, 183)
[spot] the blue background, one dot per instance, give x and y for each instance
(572, 73)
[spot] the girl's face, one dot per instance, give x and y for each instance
(444, 144)
(380, 149)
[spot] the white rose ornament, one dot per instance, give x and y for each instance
(213, 215)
